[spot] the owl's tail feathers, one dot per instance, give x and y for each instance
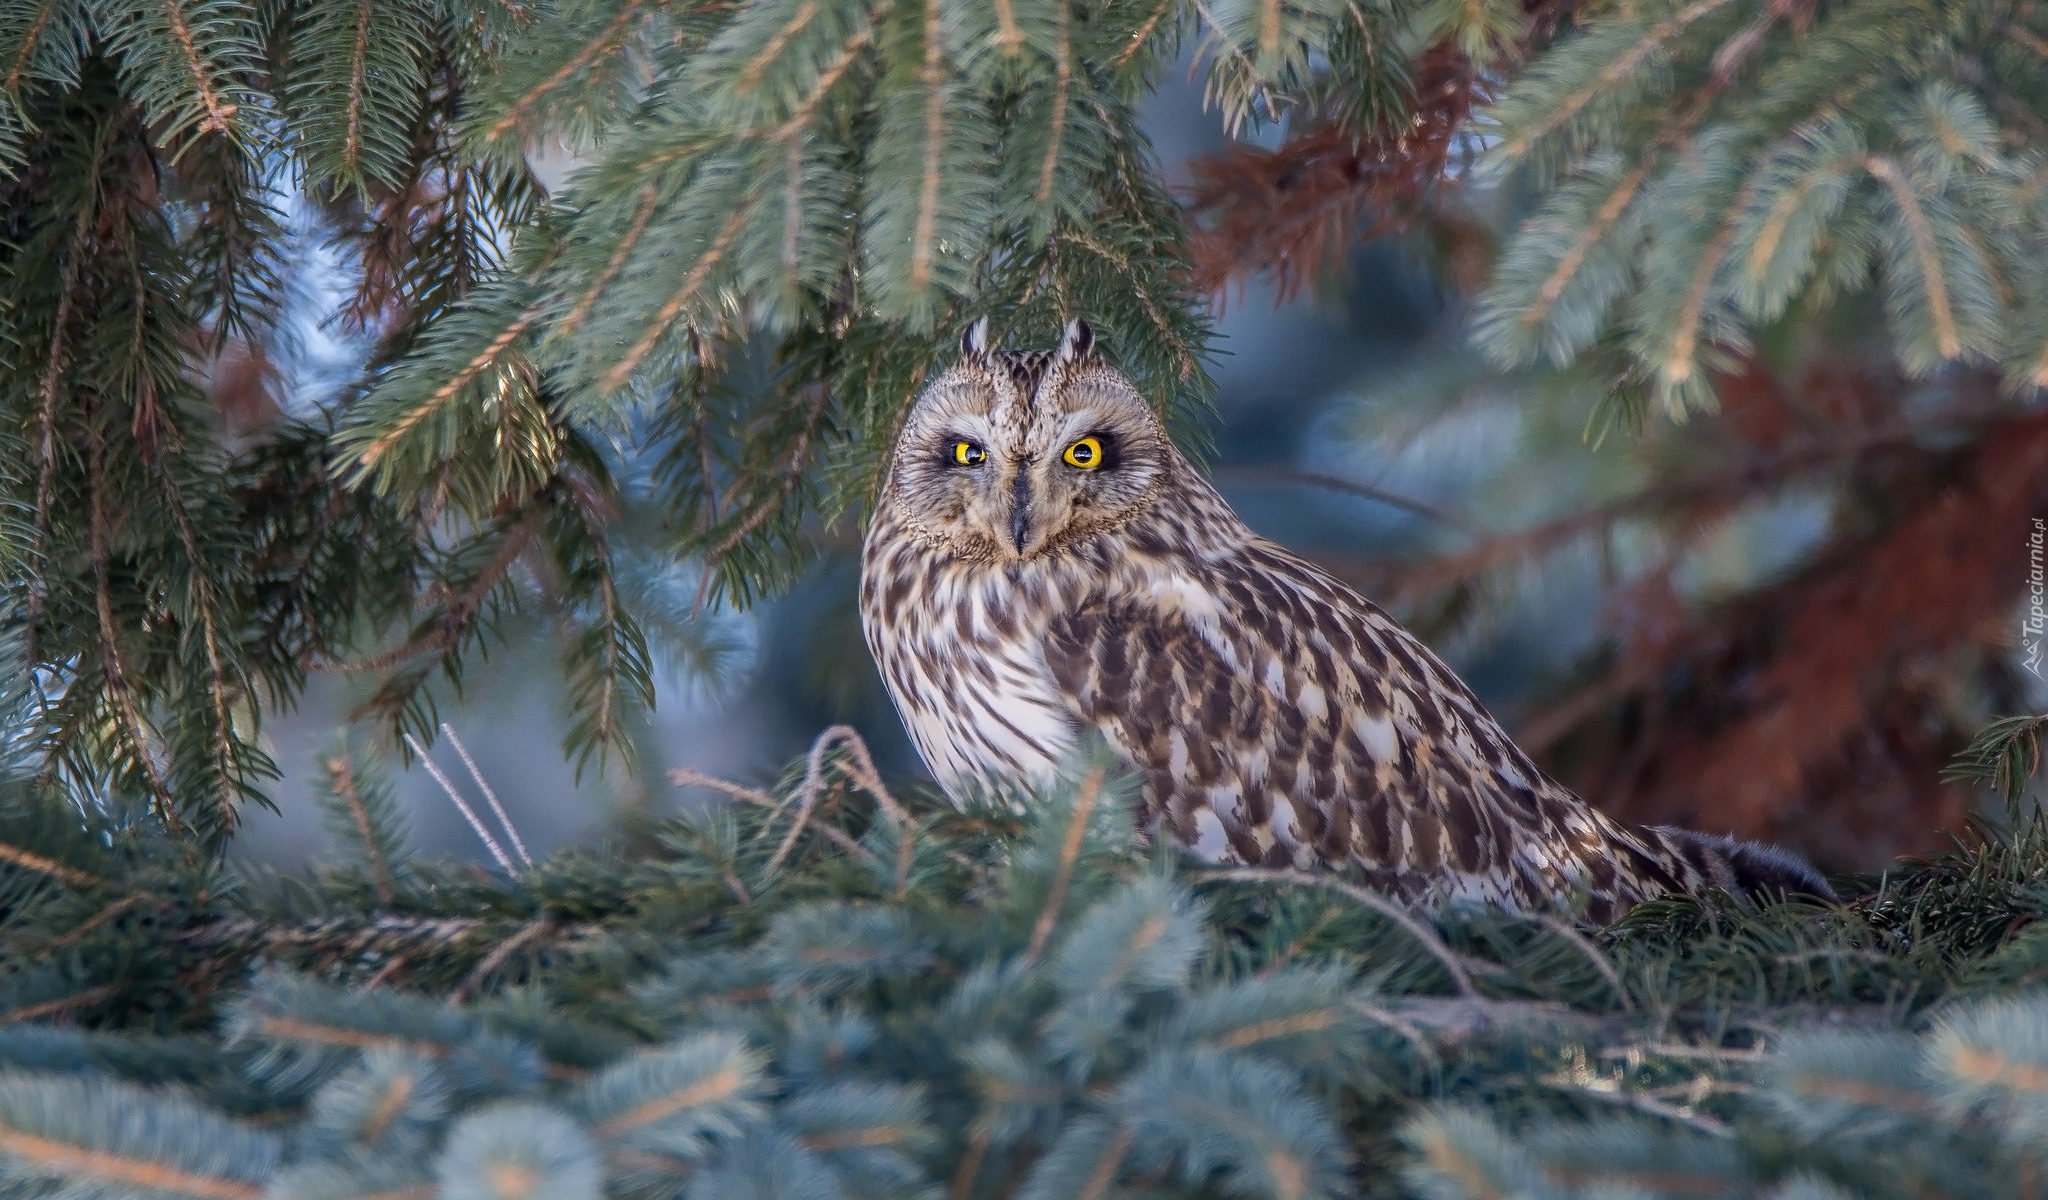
(1748, 868)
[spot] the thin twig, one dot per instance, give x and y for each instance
(217, 685)
(28, 1012)
(462, 806)
(77, 932)
(1364, 491)
(1680, 495)
(864, 776)
(685, 777)
(345, 787)
(46, 412)
(690, 777)
(792, 475)
(1393, 1021)
(460, 608)
(970, 1166)
(1453, 962)
(391, 967)
(869, 780)
(1085, 797)
(497, 809)
(1565, 930)
(110, 646)
(1614, 1094)
(496, 958)
(31, 861)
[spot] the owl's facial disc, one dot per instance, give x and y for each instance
(1007, 458)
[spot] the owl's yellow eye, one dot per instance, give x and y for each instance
(1085, 454)
(967, 454)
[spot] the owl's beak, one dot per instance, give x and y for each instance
(1020, 509)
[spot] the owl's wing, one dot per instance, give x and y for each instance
(1278, 717)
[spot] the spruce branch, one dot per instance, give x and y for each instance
(46, 409)
(372, 819)
(140, 748)
(685, 294)
(605, 41)
(2005, 754)
(1632, 51)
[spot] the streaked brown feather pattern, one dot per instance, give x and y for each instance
(1274, 715)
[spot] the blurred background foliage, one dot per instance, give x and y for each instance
(1673, 367)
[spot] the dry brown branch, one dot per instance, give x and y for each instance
(1294, 212)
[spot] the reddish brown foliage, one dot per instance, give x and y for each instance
(1295, 212)
(1819, 710)
(242, 383)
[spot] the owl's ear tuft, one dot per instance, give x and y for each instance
(974, 343)
(1077, 343)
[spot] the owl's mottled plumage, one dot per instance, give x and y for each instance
(1274, 715)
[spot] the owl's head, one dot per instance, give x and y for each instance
(1014, 454)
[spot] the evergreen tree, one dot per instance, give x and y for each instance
(831, 990)
(780, 212)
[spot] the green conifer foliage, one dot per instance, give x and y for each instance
(1712, 165)
(780, 212)
(830, 990)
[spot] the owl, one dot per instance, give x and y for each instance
(1043, 562)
